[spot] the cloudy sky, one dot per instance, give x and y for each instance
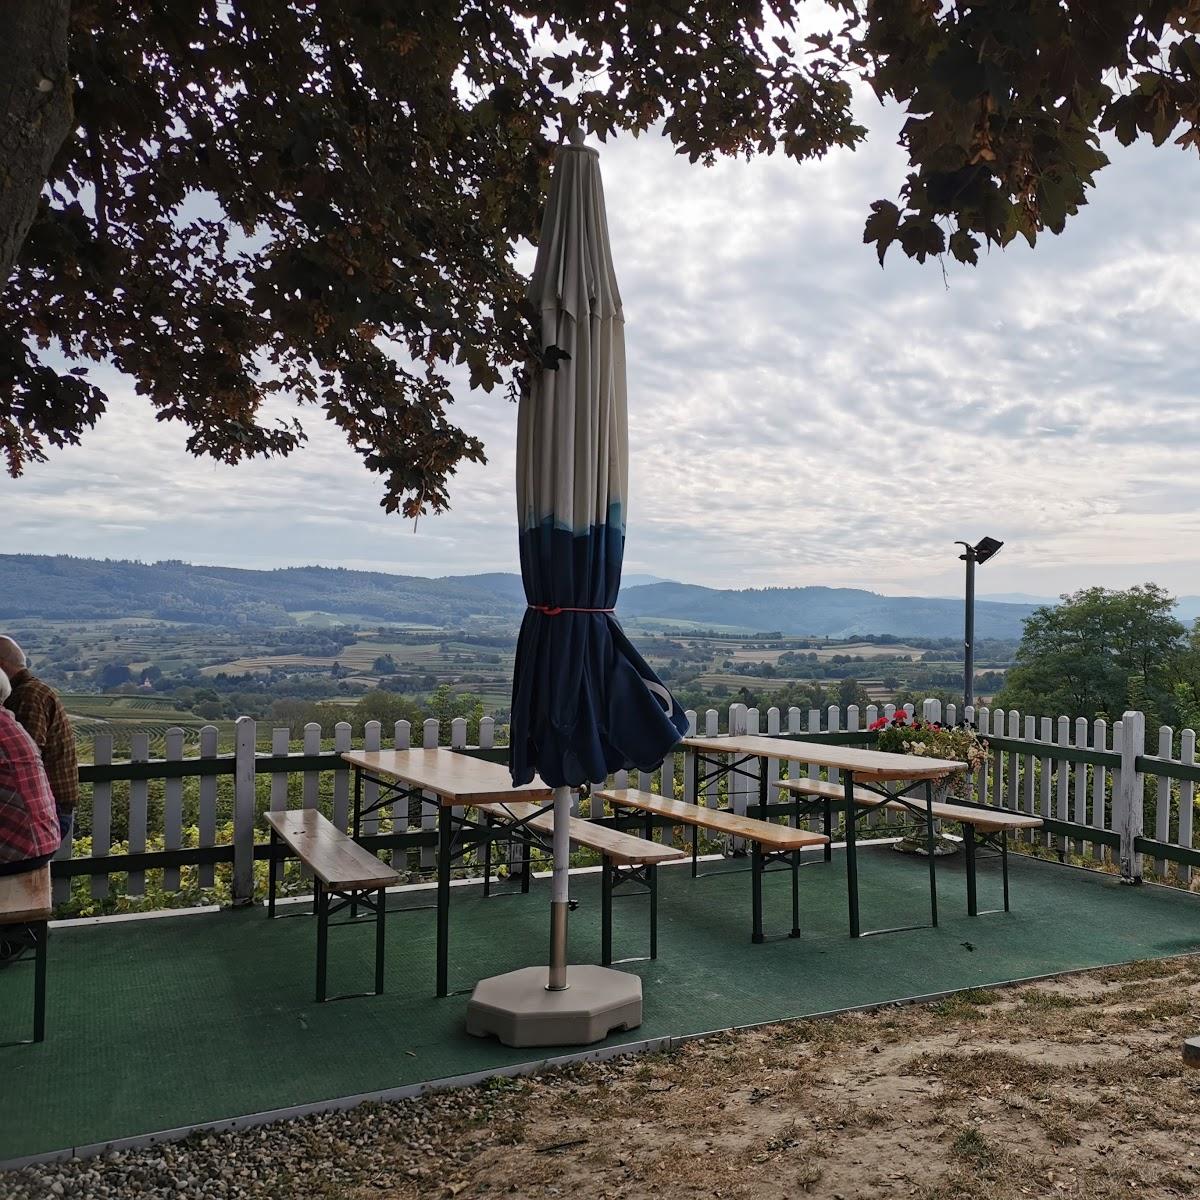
(798, 415)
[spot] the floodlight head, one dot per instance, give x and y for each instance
(985, 548)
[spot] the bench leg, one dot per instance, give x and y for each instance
(969, 847)
(695, 851)
(652, 880)
(930, 846)
(321, 900)
(795, 894)
(851, 854)
(381, 912)
(606, 898)
(272, 874)
(756, 874)
(41, 932)
(1004, 863)
(828, 830)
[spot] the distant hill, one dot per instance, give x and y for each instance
(80, 588)
(831, 612)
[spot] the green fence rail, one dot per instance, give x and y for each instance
(1127, 763)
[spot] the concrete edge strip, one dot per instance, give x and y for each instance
(515, 1070)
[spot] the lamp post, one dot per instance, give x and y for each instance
(984, 549)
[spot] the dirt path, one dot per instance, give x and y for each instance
(1072, 1088)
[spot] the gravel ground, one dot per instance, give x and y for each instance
(1071, 1088)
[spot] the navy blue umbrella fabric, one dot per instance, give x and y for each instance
(584, 703)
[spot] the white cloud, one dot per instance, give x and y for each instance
(797, 414)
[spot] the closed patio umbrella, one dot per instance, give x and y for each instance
(584, 703)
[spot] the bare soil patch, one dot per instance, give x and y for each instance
(1070, 1088)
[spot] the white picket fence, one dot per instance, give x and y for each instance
(1082, 776)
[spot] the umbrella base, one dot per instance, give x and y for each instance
(518, 1009)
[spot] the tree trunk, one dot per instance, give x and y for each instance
(35, 112)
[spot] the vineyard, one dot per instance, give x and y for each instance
(124, 717)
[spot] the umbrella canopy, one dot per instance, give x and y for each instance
(585, 703)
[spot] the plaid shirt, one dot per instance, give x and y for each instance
(41, 712)
(28, 822)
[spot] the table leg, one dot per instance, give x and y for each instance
(764, 796)
(445, 817)
(851, 853)
(969, 847)
(42, 933)
(321, 897)
(272, 874)
(606, 898)
(931, 845)
(795, 894)
(357, 826)
(381, 912)
(487, 856)
(652, 872)
(357, 802)
(1004, 864)
(756, 874)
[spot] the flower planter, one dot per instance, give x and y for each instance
(915, 843)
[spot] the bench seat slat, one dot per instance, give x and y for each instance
(25, 896)
(863, 798)
(336, 859)
(766, 833)
(982, 818)
(943, 810)
(622, 848)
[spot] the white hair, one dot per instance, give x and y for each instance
(12, 657)
(5, 687)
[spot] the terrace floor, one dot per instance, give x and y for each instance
(158, 1024)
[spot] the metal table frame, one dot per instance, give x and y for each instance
(761, 861)
(854, 813)
(614, 875)
(452, 844)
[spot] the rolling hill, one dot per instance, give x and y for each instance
(61, 587)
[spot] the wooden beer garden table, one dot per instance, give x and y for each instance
(448, 780)
(867, 770)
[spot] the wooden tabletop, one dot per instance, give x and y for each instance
(862, 764)
(456, 779)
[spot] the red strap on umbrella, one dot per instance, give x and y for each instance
(550, 610)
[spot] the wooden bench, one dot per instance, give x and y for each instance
(25, 902)
(624, 859)
(769, 842)
(343, 871)
(981, 826)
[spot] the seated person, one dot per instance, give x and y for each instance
(29, 829)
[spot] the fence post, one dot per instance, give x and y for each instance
(242, 885)
(1129, 819)
(102, 749)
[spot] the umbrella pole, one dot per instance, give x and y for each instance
(560, 890)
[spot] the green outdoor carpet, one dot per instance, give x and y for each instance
(163, 1023)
